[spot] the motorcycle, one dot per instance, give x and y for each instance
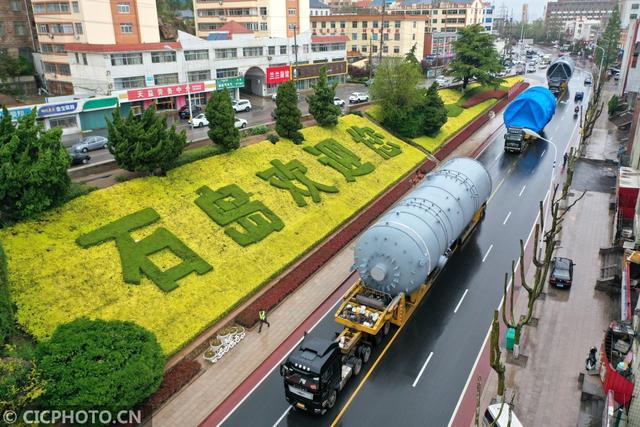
(576, 111)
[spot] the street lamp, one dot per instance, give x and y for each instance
(167, 47)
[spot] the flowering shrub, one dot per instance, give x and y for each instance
(483, 96)
(54, 280)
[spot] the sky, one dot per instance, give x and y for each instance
(536, 7)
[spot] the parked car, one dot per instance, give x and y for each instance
(531, 67)
(368, 83)
(240, 123)
(561, 274)
(579, 96)
(337, 101)
(241, 105)
(79, 158)
(90, 143)
(183, 112)
(442, 81)
(496, 417)
(275, 95)
(199, 121)
(587, 80)
(356, 97)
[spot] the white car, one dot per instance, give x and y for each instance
(356, 97)
(442, 81)
(240, 123)
(201, 120)
(241, 105)
(337, 101)
(531, 68)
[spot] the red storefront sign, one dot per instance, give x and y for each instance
(164, 91)
(278, 74)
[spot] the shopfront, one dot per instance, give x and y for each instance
(63, 115)
(95, 112)
(164, 98)
(232, 84)
(305, 75)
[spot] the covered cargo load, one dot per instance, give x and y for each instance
(559, 73)
(532, 109)
(404, 246)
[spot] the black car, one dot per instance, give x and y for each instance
(561, 275)
(79, 158)
(183, 112)
(578, 97)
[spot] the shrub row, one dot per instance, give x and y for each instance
(6, 310)
(453, 110)
(172, 382)
(294, 278)
(483, 96)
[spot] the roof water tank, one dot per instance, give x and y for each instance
(406, 244)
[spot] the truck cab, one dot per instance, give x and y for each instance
(314, 374)
(515, 140)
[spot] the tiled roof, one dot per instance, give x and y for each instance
(317, 4)
(108, 48)
(233, 27)
(329, 39)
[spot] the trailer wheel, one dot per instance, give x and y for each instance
(331, 401)
(386, 328)
(377, 338)
(357, 366)
(365, 353)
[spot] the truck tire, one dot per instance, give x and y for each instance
(377, 338)
(365, 353)
(386, 328)
(331, 401)
(356, 364)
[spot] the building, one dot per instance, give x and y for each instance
(96, 22)
(582, 29)
(448, 16)
(16, 28)
(559, 13)
(266, 18)
(629, 11)
(630, 68)
(525, 14)
(317, 8)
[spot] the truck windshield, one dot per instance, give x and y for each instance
(514, 137)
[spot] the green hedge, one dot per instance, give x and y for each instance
(199, 153)
(453, 110)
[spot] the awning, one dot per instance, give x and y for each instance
(100, 104)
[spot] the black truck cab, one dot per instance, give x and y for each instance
(515, 140)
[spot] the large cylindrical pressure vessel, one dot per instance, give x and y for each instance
(406, 244)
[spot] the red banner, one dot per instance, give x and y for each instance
(278, 74)
(164, 91)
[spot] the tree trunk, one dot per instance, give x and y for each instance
(516, 342)
(465, 82)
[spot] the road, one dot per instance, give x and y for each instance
(260, 114)
(422, 373)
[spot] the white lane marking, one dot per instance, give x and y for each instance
(455, 310)
(486, 338)
(496, 190)
(422, 370)
(522, 191)
(487, 254)
(282, 416)
(507, 218)
(333, 307)
(497, 157)
(543, 151)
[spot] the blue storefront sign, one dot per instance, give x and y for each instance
(52, 110)
(16, 113)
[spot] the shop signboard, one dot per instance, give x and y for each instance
(164, 91)
(310, 71)
(229, 83)
(278, 74)
(18, 112)
(57, 109)
(149, 80)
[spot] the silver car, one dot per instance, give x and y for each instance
(91, 143)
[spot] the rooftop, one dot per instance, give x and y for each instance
(109, 48)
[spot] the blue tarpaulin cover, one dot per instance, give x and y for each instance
(532, 109)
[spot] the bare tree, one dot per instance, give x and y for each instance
(494, 361)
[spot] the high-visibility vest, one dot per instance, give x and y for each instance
(262, 315)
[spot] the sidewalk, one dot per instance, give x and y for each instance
(197, 400)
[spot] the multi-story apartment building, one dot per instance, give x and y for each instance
(16, 28)
(266, 18)
(559, 13)
(629, 12)
(581, 29)
(449, 16)
(122, 22)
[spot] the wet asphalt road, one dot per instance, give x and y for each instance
(472, 281)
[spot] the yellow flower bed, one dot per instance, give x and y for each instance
(53, 280)
(510, 81)
(453, 125)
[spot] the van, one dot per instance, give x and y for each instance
(491, 416)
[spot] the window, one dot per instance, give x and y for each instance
(199, 99)
(226, 72)
(196, 55)
(53, 48)
(63, 122)
(271, 50)
(397, 24)
(354, 36)
(78, 27)
(343, 24)
(375, 48)
(52, 8)
(396, 49)
(75, 6)
(375, 24)
(84, 59)
(39, 8)
(227, 53)
(55, 68)
(323, 24)
(332, 24)
(15, 5)
(263, 26)
(253, 26)
(386, 24)
(374, 36)
(199, 76)
(126, 59)
(164, 104)
(77, 58)
(128, 82)
(160, 57)
(61, 28)
(165, 79)
(414, 24)
(42, 28)
(385, 49)
(292, 11)
(364, 24)
(396, 36)
(364, 48)
(314, 24)
(283, 50)
(263, 11)
(385, 36)
(124, 8)
(126, 28)
(251, 51)
(364, 36)
(354, 24)
(20, 28)
(354, 48)
(414, 37)
(633, 16)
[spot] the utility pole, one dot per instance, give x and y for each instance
(384, 8)
(295, 51)
(370, 57)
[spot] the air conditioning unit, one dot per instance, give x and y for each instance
(50, 35)
(222, 18)
(77, 37)
(269, 58)
(264, 17)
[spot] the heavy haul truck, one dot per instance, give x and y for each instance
(558, 75)
(398, 259)
(532, 109)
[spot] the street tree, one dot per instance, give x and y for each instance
(12, 67)
(476, 57)
(221, 118)
(433, 111)
(288, 114)
(411, 55)
(321, 105)
(494, 360)
(399, 100)
(33, 167)
(609, 42)
(144, 144)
